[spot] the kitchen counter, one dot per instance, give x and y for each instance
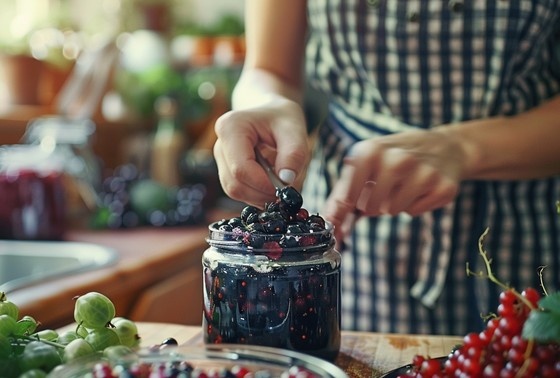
(363, 354)
(147, 256)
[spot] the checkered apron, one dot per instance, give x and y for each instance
(394, 65)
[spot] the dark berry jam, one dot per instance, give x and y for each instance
(272, 278)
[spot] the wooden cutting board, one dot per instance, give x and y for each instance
(362, 354)
(365, 354)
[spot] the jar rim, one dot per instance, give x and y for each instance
(62, 129)
(238, 240)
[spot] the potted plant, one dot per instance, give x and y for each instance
(34, 56)
(21, 71)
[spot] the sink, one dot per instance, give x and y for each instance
(25, 263)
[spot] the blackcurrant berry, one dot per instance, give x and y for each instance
(290, 198)
(275, 226)
(249, 214)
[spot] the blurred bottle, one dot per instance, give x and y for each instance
(168, 144)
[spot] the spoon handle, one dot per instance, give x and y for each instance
(274, 179)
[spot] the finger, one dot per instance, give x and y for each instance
(344, 196)
(293, 153)
(359, 167)
(242, 177)
(442, 195)
(417, 184)
(352, 217)
(365, 195)
(392, 168)
(244, 181)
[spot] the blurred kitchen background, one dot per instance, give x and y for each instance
(123, 95)
(107, 110)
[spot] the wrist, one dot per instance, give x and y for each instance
(257, 87)
(469, 153)
(481, 151)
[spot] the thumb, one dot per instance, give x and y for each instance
(292, 158)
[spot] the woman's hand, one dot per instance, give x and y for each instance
(418, 171)
(278, 128)
(411, 172)
(266, 104)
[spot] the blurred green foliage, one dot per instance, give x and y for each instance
(227, 25)
(141, 90)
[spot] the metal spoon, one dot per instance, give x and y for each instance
(274, 179)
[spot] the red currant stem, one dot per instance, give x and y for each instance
(526, 355)
(543, 287)
(487, 262)
(490, 274)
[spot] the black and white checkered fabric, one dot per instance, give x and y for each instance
(393, 65)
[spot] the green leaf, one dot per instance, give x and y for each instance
(551, 302)
(543, 325)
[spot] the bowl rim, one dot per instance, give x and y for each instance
(232, 353)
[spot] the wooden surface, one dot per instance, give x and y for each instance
(362, 354)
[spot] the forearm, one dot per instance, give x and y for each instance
(273, 67)
(524, 146)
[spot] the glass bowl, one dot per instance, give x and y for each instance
(269, 362)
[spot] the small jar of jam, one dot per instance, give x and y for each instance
(32, 192)
(272, 278)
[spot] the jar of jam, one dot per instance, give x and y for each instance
(272, 278)
(32, 192)
(70, 141)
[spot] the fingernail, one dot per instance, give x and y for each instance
(287, 175)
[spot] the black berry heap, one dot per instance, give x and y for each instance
(278, 285)
(283, 224)
(521, 341)
(129, 199)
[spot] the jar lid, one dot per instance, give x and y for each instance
(15, 157)
(62, 130)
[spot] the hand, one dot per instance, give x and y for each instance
(412, 172)
(277, 127)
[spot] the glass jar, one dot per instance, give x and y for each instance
(33, 196)
(70, 141)
(272, 296)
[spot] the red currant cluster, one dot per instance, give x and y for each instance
(499, 350)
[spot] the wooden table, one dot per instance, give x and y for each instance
(362, 354)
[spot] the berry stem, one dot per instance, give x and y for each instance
(527, 355)
(27, 339)
(488, 263)
(543, 287)
(490, 274)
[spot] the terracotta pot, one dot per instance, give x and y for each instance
(51, 82)
(22, 75)
(156, 17)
